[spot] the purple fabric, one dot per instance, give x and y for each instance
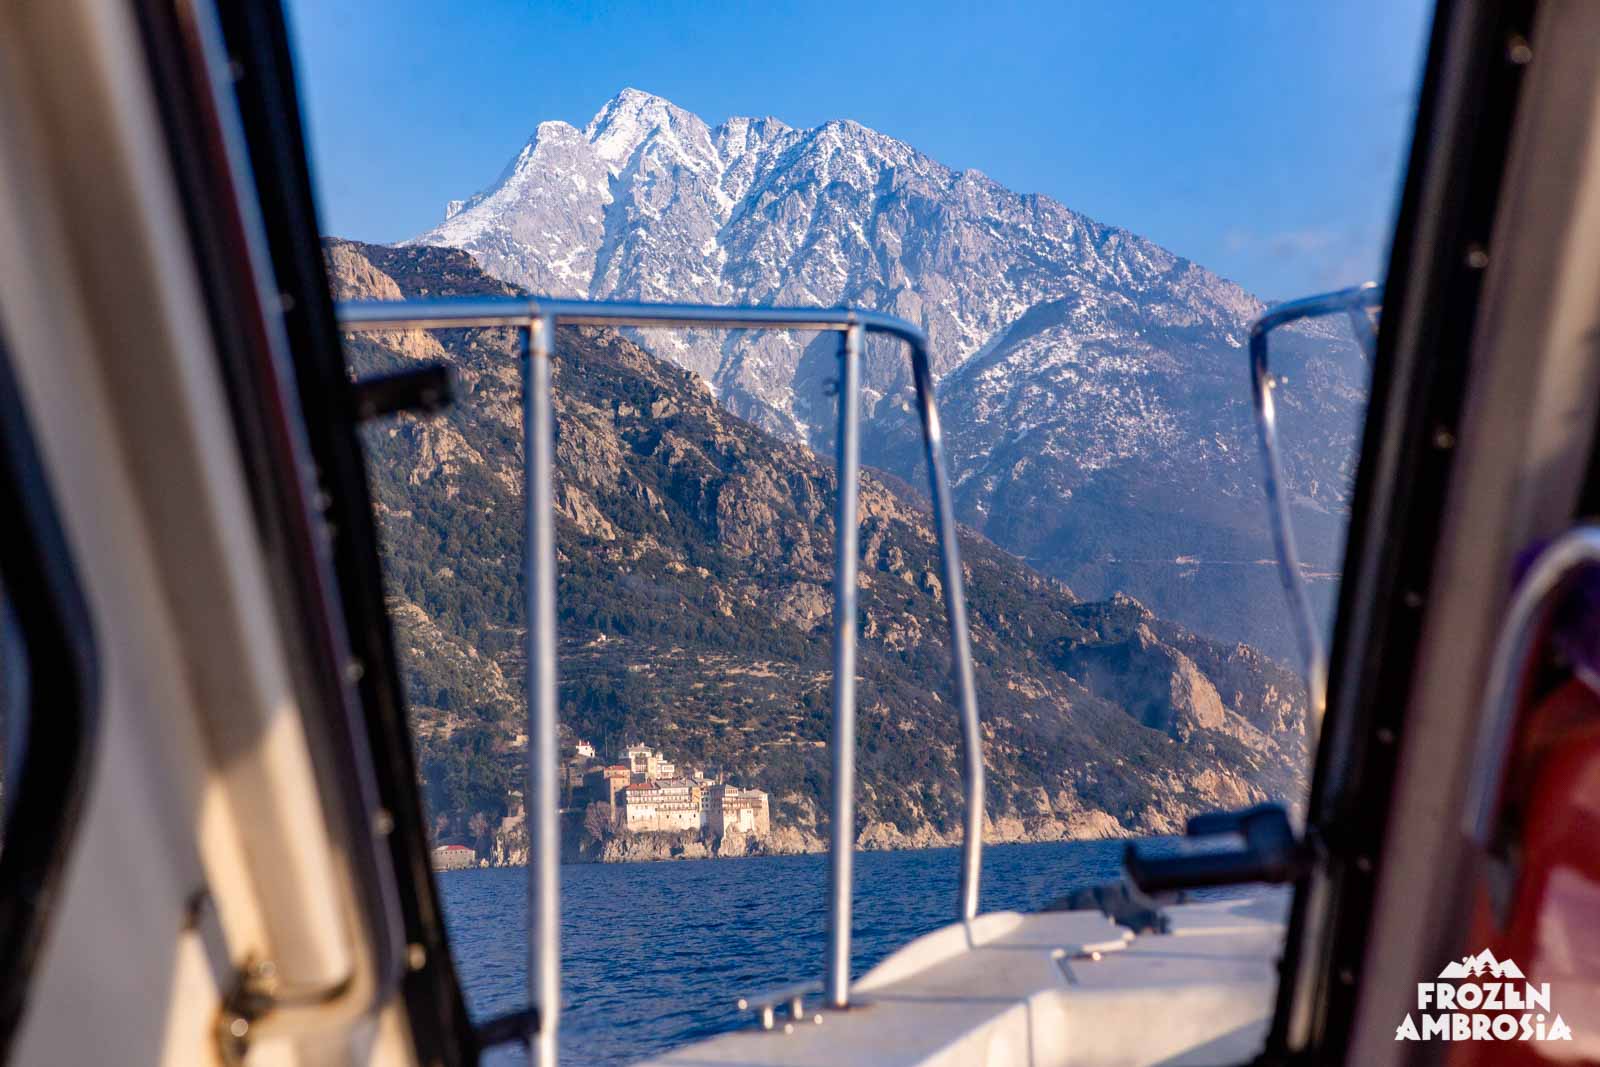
(1575, 620)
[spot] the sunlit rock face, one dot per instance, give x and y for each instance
(650, 202)
(695, 553)
(1094, 383)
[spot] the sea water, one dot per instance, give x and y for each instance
(654, 955)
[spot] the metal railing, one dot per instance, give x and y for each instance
(1358, 303)
(535, 319)
(1551, 576)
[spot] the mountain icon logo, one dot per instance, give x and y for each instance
(1476, 966)
(1480, 998)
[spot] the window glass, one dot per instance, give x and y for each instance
(1085, 209)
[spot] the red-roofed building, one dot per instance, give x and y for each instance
(454, 858)
(658, 807)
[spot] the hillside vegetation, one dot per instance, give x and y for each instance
(694, 604)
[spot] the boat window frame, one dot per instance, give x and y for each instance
(63, 714)
(316, 386)
(1465, 115)
(1353, 783)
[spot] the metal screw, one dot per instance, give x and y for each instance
(1443, 438)
(1413, 599)
(416, 956)
(788, 1028)
(1519, 51)
(285, 302)
(354, 671)
(239, 1027)
(1363, 864)
(1347, 977)
(382, 822)
(1385, 736)
(1477, 257)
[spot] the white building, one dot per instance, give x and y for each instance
(660, 806)
(584, 750)
(454, 858)
(727, 809)
(648, 764)
(638, 758)
(676, 791)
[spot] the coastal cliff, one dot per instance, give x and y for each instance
(695, 557)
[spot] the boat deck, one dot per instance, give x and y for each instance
(1044, 989)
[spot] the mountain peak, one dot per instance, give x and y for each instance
(1086, 363)
(553, 129)
(628, 95)
(631, 117)
(545, 136)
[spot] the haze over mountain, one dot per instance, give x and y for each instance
(1093, 382)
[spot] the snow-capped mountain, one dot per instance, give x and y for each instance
(649, 202)
(1094, 383)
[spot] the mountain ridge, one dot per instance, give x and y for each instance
(1096, 382)
(695, 555)
(721, 187)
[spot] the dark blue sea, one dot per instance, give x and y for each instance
(655, 954)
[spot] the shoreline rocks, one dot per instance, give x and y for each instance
(790, 841)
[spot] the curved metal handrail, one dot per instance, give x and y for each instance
(1357, 302)
(536, 319)
(1550, 576)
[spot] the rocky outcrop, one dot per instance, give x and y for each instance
(349, 271)
(623, 847)
(1153, 682)
(510, 846)
(806, 606)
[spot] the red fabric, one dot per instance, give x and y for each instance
(1552, 929)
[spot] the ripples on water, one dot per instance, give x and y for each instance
(654, 954)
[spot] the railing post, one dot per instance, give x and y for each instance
(955, 605)
(845, 564)
(1307, 633)
(541, 811)
(1357, 303)
(1551, 574)
(535, 323)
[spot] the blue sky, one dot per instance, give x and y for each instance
(1264, 139)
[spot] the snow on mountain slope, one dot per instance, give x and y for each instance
(648, 202)
(1094, 382)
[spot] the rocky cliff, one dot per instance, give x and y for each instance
(696, 555)
(1102, 431)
